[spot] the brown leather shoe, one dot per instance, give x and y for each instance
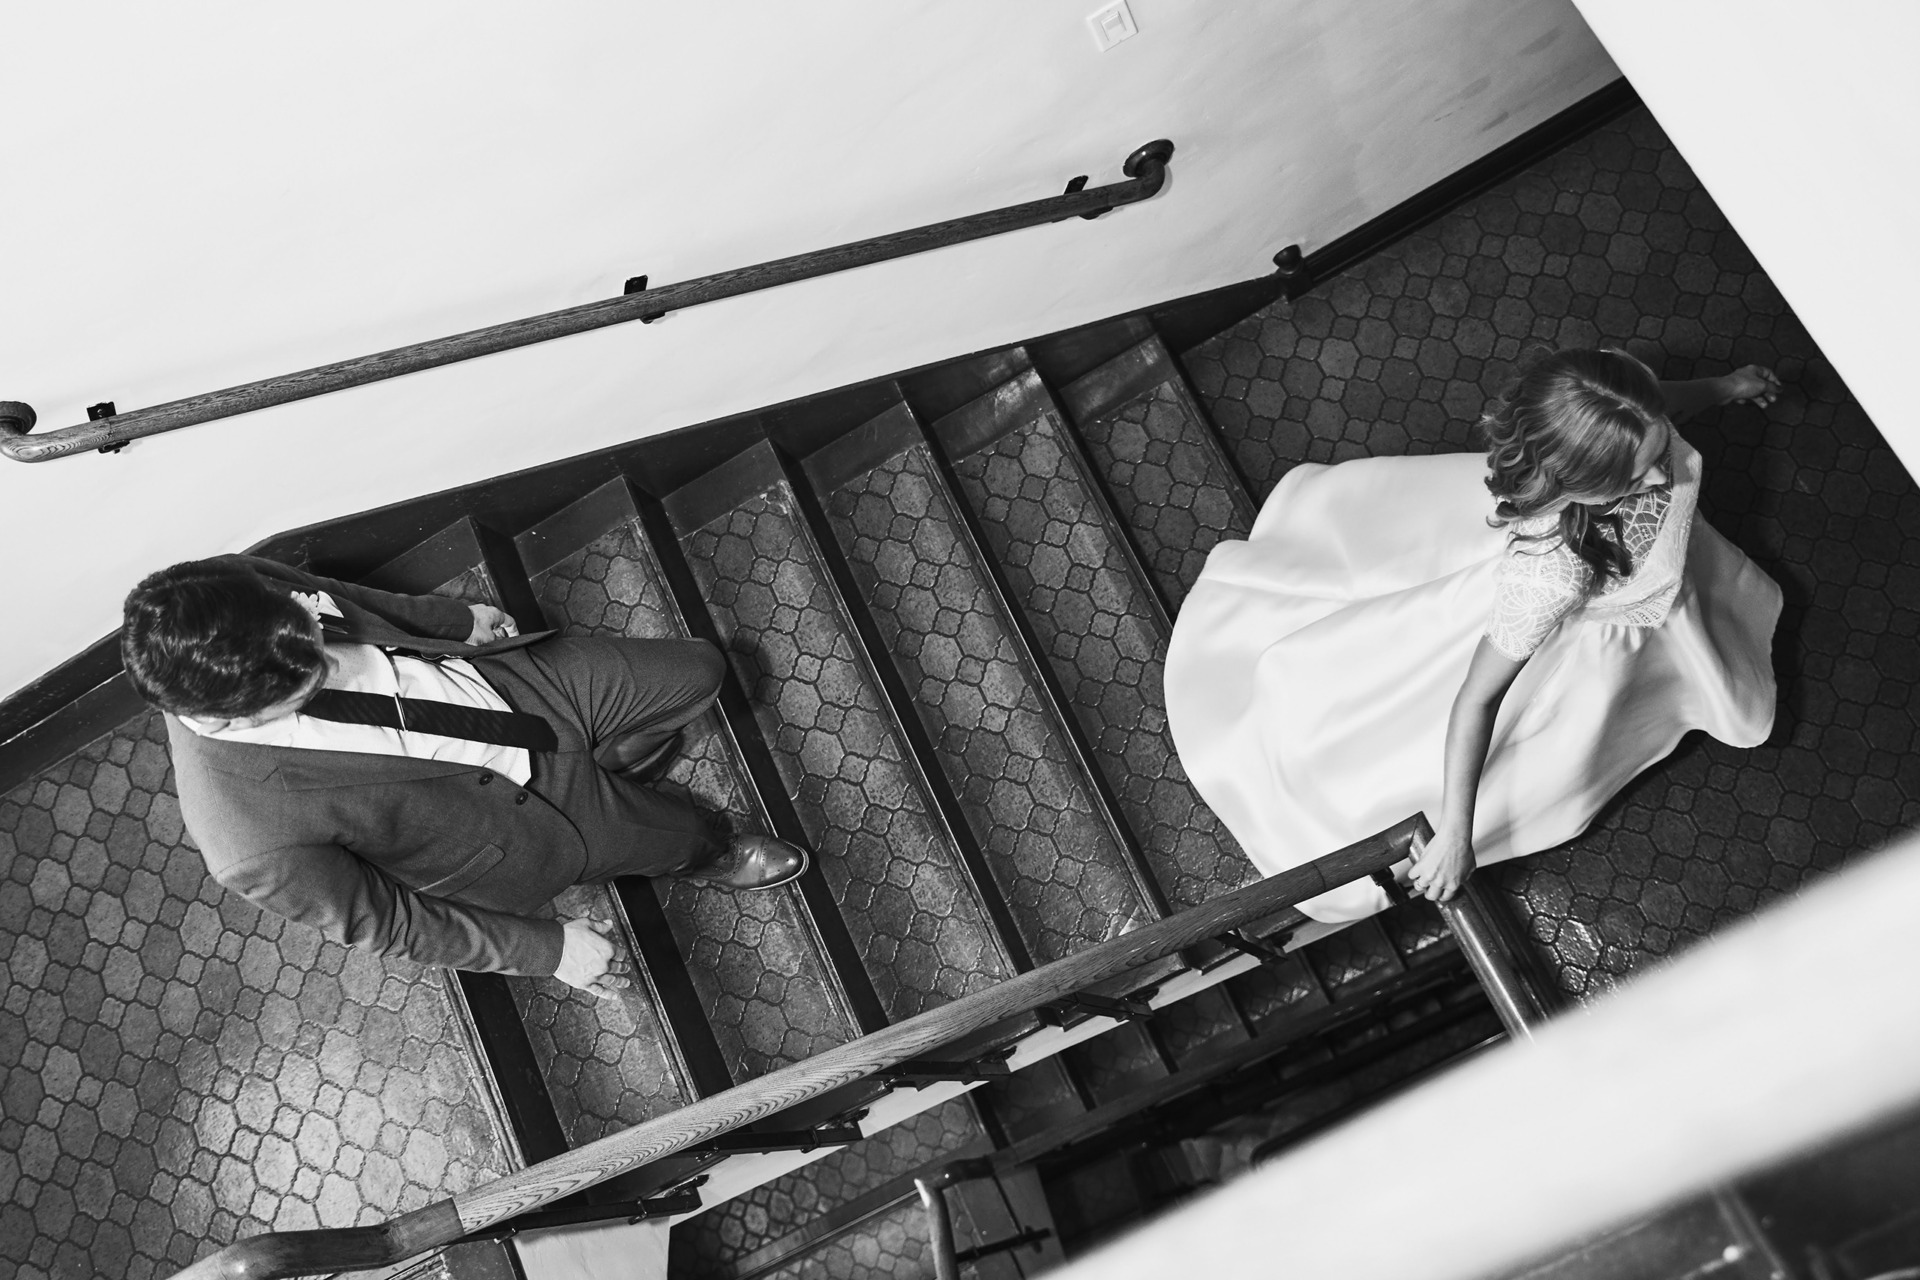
(751, 862)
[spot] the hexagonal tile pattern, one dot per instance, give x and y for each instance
(1057, 863)
(707, 1246)
(178, 1069)
(1098, 629)
(1168, 483)
(891, 865)
(768, 991)
(608, 1064)
(1614, 240)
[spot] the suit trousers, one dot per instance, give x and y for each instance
(611, 700)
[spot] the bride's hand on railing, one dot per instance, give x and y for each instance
(1441, 864)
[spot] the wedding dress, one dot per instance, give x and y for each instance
(1313, 666)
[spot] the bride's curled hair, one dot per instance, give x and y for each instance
(1569, 427)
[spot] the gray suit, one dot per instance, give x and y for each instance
(440, 862)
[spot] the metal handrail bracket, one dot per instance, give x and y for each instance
(1146, 173)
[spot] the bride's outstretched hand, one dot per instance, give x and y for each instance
(1752, 382)
(1441, 865)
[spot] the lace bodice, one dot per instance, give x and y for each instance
(1541, 582)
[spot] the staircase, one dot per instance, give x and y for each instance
(945, 614)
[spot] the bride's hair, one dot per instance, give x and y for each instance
(1572, 422)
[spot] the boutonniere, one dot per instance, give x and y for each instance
(310, 601)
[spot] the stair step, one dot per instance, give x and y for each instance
(608, 1064)
(791, 1215)
(1171, 477)
(753, 960)
(466, 561)
(1054, 851)
(1098, 624)
(914, 913)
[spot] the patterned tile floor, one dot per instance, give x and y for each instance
(178, 1070)
(754, 962)
(1035, 817)
(1614, 240)
(1098, 628)
(912, 912)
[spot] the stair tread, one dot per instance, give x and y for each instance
(769, 995)
(607, 1064)
(1106, 642)
(1169, 477)
(1064, 875)
(886, 857)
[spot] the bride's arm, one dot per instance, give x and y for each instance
(1749, 382)
(1445, 862)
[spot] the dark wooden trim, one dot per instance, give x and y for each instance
(1192, 320)
(53, 692)
(509, 1057)
(1463, 184)
(87, 715)
(1146, 171)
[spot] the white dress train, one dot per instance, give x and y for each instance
(1313, 666)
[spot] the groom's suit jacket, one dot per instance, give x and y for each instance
(433, 861)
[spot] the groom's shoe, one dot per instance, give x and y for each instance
(649, 767)
(751, 862)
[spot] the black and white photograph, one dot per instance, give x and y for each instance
(918, 640)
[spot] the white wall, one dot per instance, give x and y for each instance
(203, 193)
(1803, 122)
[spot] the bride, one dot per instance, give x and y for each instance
(1389, 641)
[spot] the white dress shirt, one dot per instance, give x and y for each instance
(366, 668)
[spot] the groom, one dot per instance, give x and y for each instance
(411, 775)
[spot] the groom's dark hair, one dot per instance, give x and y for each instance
(214, 638)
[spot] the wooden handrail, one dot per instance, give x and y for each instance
(296, 1253)
(1146, 171)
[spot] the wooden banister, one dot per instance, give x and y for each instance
(1146, 171)
(273, 1255)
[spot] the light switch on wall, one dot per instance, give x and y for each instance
(1112, 24)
